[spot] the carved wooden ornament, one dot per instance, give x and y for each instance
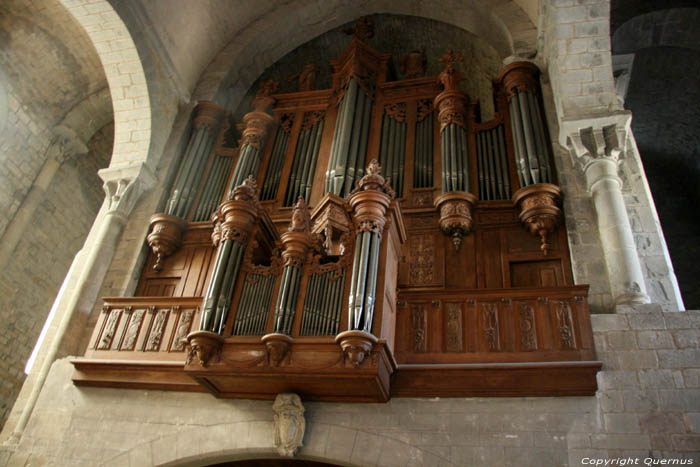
(539, 211)
(290, 424)
(455, 209)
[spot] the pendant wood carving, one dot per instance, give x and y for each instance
(456, 214)
(539, 210)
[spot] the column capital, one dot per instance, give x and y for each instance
(65, 144)
(123, 186)
(597, 144)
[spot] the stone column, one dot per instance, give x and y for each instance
(597, 150)
(123, 188)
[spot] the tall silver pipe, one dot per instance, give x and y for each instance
(227, 288)
(353, 278)
(314, 159)
(344, 137)
(284, 284)
(371, 283)
(545, 172)
(355, 135)
(504, 160)
(490, 162)
(465, 159)
(364, 140)
(444, 159)
(384, 143)
(453, 157)
(481, 161)
(361, 280)
(212, 293)
(402, 160)
(521, 163)
(529, 137)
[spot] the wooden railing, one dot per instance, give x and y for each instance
(144, 328)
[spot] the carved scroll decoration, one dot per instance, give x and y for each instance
(453, 328)
(132, 331)
(419, 320)
(421, 258)
(336, 268)
(287, 122)
(109, 329)
(528, 338)
(413, 64)
(397, 111)
(311, 118)
(490, 318)
(425, 108)
(183, 328)
(566, 328)
(157, 329)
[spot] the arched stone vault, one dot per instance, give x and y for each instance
(504, 25)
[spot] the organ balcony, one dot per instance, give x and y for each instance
(297, 263)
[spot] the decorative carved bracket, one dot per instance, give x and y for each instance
(539, 210)
(204, 345)
(356, 345)
(456, 214)
(290, 424)
(165, 237)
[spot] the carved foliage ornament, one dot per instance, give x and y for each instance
(290, 424)
(413, 64)
(307, 78)
(397, 111)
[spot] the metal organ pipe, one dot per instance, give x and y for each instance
(349, 143)
(531, 143)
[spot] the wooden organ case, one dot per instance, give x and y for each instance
(365, 241)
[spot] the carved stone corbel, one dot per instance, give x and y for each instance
(123, 186)
(290, 424)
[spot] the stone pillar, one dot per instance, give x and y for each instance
(123, 188)
(597, 150)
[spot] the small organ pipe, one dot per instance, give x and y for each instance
(402, 160)
(312, 168)
(465, 164)
(504, 160)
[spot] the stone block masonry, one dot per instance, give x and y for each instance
(647, 406)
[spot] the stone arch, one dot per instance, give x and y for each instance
(664, 28)
(506, 27)
(125, 76)
(253, 439)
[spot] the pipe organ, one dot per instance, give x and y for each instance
(368, 240)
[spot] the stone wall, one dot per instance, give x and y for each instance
(32, 275)
(647, 406)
